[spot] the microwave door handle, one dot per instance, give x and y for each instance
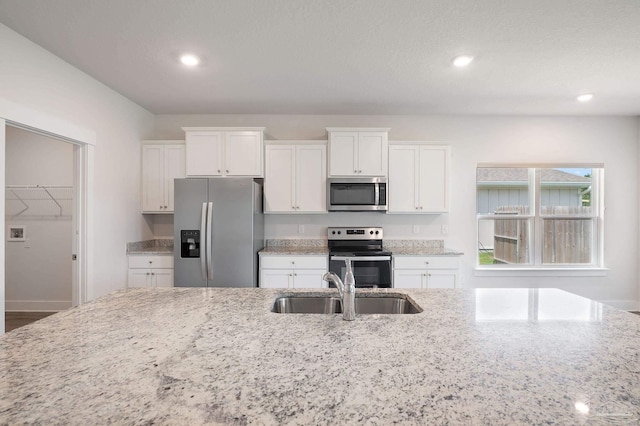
(376, 196)
(203, 248)
(210, 241)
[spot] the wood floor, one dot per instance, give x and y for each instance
(13, 320)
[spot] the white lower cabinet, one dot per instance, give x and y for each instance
(426, 271)
(278, 271)
(150, 271)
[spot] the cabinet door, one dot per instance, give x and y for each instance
(173, 169)
(204, 153)
(243, 153)
(409, 278)
(309, 278)
(311, 179)
(279, 179)
(343, 148)
(162, 277)
(442, 278)
(152, 178)
(139, 278)
(403, 179)
(434, 179)
(276, 278)
(373, 152)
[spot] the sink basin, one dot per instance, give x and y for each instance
(383, 304)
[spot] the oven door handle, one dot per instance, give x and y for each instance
(361, 258)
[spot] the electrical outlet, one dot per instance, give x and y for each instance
(300, 229)
(416, 229)
(444, 229)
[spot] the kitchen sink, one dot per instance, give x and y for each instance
(384, 304)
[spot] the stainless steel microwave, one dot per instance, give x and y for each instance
(357, 194)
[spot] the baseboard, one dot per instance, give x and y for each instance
(625, 305)
(36, 305)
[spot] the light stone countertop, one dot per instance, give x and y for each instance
(219, 356)
(162, 246)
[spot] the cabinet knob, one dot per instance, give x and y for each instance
(427, 262)
(153, 273)
(150, 262)
(148, 273)
(165, 207)
(428, 275)
(218, 171)
(420, 207)
(355, 171)
(295, 275)
(293, 263)
(227, 171)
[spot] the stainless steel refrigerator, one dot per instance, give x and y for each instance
(218, 231)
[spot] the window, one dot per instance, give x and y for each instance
(539, 217)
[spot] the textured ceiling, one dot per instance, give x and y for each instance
(349, 56)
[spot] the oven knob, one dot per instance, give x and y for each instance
(377, 232)
(371, 232)
(339, 232)
(333, 232)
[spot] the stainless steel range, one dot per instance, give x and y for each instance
(371, 264)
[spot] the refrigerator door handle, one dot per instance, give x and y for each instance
(210, 241)
(203, 231)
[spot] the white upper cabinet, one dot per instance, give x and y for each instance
(295, 177)
(418, 178)
(224, 151)
(162, 162)
(358, 152)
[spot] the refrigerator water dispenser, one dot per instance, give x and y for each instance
(190, 243)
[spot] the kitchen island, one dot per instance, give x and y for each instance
(220, 356)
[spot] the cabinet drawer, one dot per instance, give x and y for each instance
(151, 262)
(422, 262)
(294, 262)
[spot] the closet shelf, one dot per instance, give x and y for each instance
(38, 200)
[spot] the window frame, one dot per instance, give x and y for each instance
(536, 222)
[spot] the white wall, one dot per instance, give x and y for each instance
(474, 139)
(35, 79)
(38, 271)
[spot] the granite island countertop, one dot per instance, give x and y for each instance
(219, 356)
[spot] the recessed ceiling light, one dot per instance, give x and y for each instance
(190, 60)
(585, 98)
(462, 60)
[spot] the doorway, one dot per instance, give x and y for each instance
(39, 191)
(83, 142)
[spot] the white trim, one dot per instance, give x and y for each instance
(3, 128)
(223, 129)
(37, 305)
(540, 272)
(37, 122)
(562, 165)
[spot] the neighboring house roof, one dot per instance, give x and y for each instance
(519, 176)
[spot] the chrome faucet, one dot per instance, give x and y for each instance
(347, 291)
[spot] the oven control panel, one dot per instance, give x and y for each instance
(354, 233)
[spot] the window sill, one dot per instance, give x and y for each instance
(541, 272)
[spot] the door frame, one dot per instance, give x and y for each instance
(84, 141)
